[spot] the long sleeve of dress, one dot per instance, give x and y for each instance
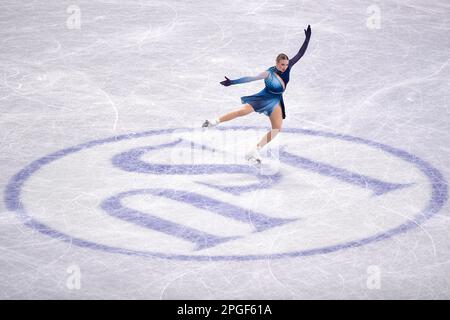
(300, 53)
(249, 79)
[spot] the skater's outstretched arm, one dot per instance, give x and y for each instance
(302, 50)
(229, 82)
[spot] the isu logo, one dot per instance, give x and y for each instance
(185, 194)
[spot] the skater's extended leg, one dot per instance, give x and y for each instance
(244, 110)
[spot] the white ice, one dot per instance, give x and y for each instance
(74, 73)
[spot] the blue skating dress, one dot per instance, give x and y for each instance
(268, 98)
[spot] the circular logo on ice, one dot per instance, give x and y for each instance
(189, 194)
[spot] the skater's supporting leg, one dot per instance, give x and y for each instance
(276, 120)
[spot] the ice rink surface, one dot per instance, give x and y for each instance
(111, 190)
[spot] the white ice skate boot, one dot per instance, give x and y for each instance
(253, 156)
(210, 123)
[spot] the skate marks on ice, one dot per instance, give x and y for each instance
(180, 194)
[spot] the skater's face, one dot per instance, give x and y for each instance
(282, 65)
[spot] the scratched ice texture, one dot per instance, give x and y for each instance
(111, 190)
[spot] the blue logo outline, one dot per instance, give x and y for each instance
(439, 195)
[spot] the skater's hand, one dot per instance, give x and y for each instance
(226, 83)
(308, 32)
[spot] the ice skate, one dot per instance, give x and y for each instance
(253, 157)
(209, 123)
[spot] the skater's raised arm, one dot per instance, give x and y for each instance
(302, 50)
(229, 82)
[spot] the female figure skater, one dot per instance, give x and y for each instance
(268, 101)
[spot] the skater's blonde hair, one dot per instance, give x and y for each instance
(282, 56)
